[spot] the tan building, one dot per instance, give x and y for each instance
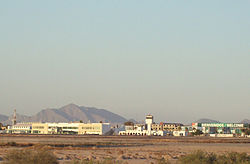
(39, 128)
(63, 128)
(60, 128)
(20, 128)
(94, 128)
(70, 128)
(167, 126)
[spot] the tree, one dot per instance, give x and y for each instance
(129, 123)
(246, 131)
(197, 132)
(216, 130)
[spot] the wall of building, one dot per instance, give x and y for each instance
(180, 133)
(20, 128)
(220, 128)
(39, 128)
(63, 128)
(166, 126)
(60, 128)
(94, 128)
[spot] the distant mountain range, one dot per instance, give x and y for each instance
(206, 120)
(3, 118)
(68, 113)
(245, 121)
(72, 112)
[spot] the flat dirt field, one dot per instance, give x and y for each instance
(128, 149)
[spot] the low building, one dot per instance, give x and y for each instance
(20, 128)
(94, 128)
(180, 133)
(60, 128)
(137, 129)
(63, 128)
(39, 128)
(167, 126)
(220, 128)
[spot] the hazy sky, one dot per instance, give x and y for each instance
(178, 60)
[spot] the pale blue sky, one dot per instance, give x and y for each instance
(178, 60)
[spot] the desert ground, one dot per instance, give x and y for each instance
(127, 149)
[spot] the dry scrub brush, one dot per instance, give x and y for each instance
(106, 161)
(201, 157)
(30, 156)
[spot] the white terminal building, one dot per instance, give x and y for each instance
(59, 128)
(142, 129)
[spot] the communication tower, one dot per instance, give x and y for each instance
(14, 118)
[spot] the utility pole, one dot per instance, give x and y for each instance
(14, 118)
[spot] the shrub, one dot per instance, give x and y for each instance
(234, 158)
(106, 161)
(35, 156)
(12, 143)
(162, 161)
(197, 133)
(200, 157)
(197, 157)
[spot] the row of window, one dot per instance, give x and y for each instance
(165, 126)
(70, 127)
(38, 127)
(90, 127)
(21, 127)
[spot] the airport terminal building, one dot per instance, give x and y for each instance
(59, 128)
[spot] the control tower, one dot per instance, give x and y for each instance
(149, 121)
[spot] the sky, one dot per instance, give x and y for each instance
(177, 60)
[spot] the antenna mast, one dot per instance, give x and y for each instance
(14, 118)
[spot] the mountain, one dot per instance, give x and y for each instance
(133, 120)
(245, 121)
(206, 120)
(3, 118)
(21, 118)
(70, 113)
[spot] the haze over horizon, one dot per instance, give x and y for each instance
(179, 61)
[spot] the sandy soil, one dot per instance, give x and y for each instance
(130, 149)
